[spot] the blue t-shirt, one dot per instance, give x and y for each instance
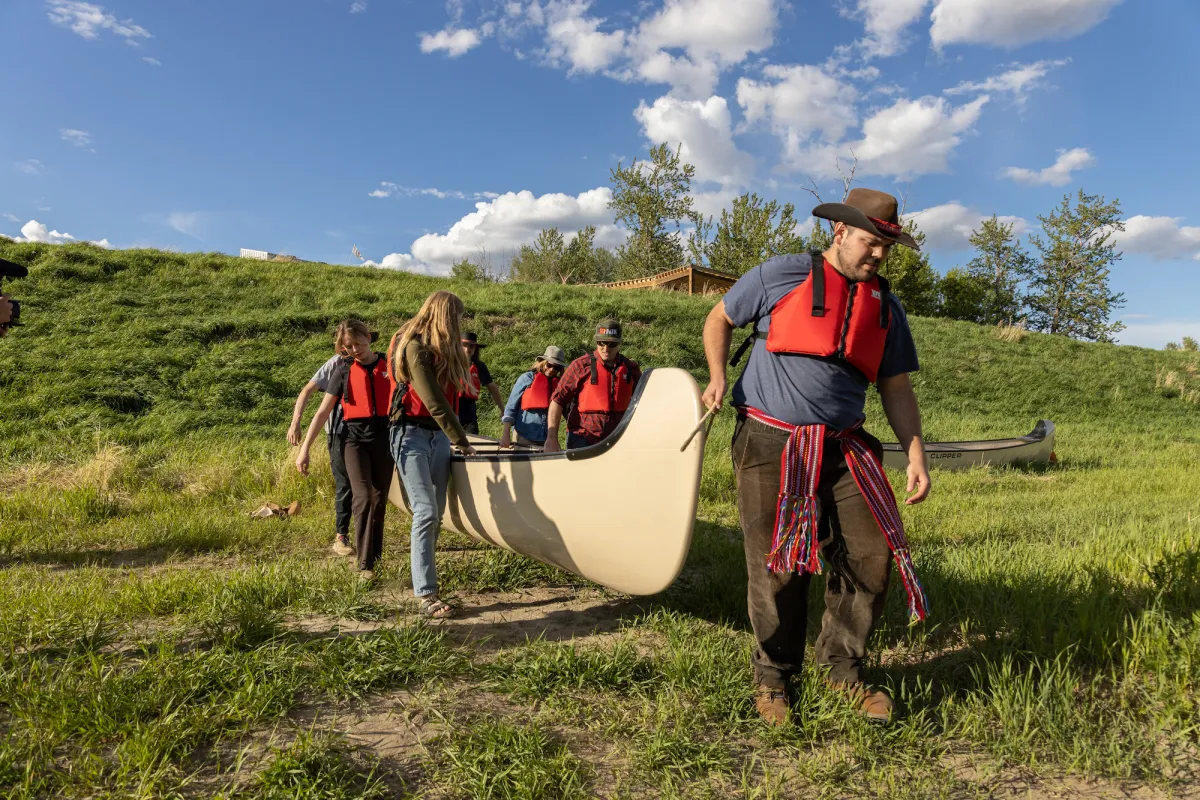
(530, 424)
(803, 390)
(335, 424)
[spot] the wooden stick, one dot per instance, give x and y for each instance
(699, 427)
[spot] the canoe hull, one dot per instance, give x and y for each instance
(1035, 448)
(619, 513)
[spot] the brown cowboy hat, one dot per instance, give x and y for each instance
(874, 212)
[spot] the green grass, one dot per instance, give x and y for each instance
(157, 641)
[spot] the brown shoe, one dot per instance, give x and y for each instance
(874, 704)
(772, 704)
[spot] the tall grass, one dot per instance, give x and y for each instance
(153, 630)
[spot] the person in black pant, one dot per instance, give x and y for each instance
(362, 386)
(482, 377)
(335, 435)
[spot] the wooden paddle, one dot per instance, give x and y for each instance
(710, 417)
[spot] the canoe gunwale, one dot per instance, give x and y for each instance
(579, 454)
(1042, 431)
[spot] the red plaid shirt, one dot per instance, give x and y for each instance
(592, 427)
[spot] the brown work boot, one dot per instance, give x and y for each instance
(772, 704)
(874, 704)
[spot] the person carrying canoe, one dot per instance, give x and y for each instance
(529, 401)
(362, 386)
(481, 378)
(826, 327)
(335, 438)
(596, 388)
(432, 376)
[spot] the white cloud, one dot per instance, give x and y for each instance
(1058, 173)
(186, 222)
(800, 101)
(705, 131)
(455, 41)
(76, 137)
(885, 22)
(153, 61)
(358, 7)
(34, 231)
(908, 138)
(1157, 334)
(515, 218)
(711, 28)
(575, 39)
(710, 36)
(1161, 238)
(949, 226)
(89, 20)
(389, 189)
(1014, 22)
(30, 166)
(8, 215)
(1018, 80)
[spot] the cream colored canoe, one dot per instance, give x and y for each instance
(1035, 448)
(619, 513)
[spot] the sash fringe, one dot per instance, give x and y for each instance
(794, 545)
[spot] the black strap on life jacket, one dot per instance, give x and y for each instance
(885, 311)
(817, 271)
(595, 378)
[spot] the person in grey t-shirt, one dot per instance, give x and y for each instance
(800, 402)
(335, 436)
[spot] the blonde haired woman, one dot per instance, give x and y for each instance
(432, 374)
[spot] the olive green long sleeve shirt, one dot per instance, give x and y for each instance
(420, 363)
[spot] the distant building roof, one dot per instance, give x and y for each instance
(691, 279)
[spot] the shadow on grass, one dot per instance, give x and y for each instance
(145, 556)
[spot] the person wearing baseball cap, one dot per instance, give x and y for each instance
(825, 327)
(595, 390)
(529, 401)
(468, 412)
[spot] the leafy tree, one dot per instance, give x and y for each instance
(1001, 265)
(750, 233)
(964, 296)
(551, 259)
(821, 238)
(647, 197)
(1069, 291)
(1188, 345)
(465, 270)
(912, 278)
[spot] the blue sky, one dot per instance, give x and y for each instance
(425, 132)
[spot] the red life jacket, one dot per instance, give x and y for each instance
(368, 390)
(410, 401)
(537, 396)
(831, 317)
(475, 380)
(599, 395)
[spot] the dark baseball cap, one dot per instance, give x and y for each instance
(609, 330)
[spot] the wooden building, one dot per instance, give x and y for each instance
(690, 279)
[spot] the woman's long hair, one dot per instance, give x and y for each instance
(437, 326)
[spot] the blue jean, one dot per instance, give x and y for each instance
(423, 460)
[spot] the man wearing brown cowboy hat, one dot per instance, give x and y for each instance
(812, 495)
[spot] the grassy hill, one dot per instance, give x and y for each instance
(157, 640)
